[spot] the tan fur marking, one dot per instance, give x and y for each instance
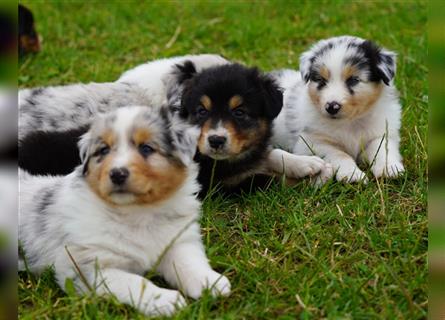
(151, 180)
(108, 137)
(141, 135)
(324, 73)
(203, 136)
(206, 102)
(348, 71)
(362, 100)
(244, 139)
(155, 179)
(314, 94)
(235, 102)
(98, 177)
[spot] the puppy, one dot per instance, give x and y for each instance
(129, 207)
(343, 106)
(235, 107)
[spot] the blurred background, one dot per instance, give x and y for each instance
(8, 160)
(436, 147)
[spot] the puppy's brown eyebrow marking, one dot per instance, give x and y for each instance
(235, 101)
(349, 71)
(108, 137)
(206, 102)
(324, 72)
(141, 135)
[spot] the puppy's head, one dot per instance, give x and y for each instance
(346, 75)
(137, 155)
(233, 105)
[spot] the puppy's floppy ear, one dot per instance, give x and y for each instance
(184, 139)
(272, 95)
(185, 71)
(387, 65)
(382, 62)
(84, 145)
(176, 83)
(305, 65)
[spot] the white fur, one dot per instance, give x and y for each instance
(154, 75)
(112, 245)
(300, 122)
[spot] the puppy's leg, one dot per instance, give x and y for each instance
(385, 158)
(128, 288)
(185, 266)
(294, 166)
(342, 163)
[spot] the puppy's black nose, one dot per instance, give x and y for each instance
(333, 107)
(119, 175)
(217, 142)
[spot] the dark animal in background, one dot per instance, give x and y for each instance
(28, 38)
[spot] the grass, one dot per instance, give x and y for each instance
(343, 251)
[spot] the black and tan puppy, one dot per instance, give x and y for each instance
(235, 107)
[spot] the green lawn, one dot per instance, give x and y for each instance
(343, 251)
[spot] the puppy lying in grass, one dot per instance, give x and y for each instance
(343, 106)
(129, 207)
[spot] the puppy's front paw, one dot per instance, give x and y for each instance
(218, 285)
(351, 175)
(390, 170)
(163, 302)
(303, 166)
(325, 174)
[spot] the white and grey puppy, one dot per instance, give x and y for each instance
(130, 207)
(343, 106)
(61, 108)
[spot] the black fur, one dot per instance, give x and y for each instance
(261, 94)
(43, 152)
(28, 38)
(44, 199)
(374, 56)
(262, 101)
(186, 71)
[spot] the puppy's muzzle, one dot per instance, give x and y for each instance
(333, 107)
(119, 176)
(217, 142)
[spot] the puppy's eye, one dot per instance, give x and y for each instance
(238, 113)
(103, 151)
(352, 81)
(145, 150)
(318, 79)
(201, 112)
